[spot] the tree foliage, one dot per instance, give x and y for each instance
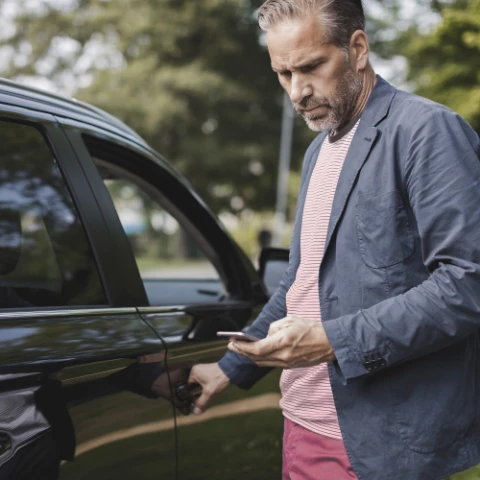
(445, 62)
(190, 76)
(193, 79)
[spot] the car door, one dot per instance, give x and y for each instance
(197, 282)
(72, 344)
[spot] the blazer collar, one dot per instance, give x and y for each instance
(379, 102)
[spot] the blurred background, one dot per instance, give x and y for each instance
(193, 78)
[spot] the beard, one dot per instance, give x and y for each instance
(339, 108)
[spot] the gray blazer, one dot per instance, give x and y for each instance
(399, 289)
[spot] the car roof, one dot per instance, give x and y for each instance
(17, 94)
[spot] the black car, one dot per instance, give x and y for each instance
(114, 279)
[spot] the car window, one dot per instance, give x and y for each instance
(166, 245)
(45, 258)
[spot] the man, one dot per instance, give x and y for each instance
(377, 318)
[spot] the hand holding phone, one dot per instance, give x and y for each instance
(242, 336)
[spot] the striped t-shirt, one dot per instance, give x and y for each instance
(306, 392)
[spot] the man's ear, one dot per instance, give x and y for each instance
(359, 50)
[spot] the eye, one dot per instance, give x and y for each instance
(285, 74)
(311, 67)
(307, 68)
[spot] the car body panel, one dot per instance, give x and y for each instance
(107, 371)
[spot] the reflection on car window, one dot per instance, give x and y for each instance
(162, 248)
(175, 256)
(45, 258)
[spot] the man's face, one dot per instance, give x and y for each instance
(321, 82)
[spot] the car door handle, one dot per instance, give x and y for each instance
(188, 391)
(185, 395)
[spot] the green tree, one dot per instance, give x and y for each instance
(444, 64)
(190, 76)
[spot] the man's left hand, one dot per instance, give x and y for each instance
(292, 342)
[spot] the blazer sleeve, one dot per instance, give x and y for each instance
(243, 372)
(442, 179)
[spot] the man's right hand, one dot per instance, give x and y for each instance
(212, 379)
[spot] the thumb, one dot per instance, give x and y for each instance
(279, 325)
(201, 403)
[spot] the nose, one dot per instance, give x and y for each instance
(300, 89)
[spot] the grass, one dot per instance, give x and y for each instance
(232, 448)
(214, 449)
(470, 474)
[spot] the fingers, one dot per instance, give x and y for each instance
(261, 348)
(212, 379)
(292, 342)
(201, 403)
(250, 350)
(274, 351)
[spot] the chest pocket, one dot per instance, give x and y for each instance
(384, 232)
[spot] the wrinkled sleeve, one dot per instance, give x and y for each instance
(442, 179)
(243, 372)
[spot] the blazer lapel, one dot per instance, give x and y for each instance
(376, 110)
(358, 152)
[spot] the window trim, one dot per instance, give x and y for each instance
(243, 280)
(164, 202)
(121, 277)
(47, 312)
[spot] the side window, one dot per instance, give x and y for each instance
(171, 255)
(45, 258)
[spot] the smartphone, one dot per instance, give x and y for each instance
(244, 337)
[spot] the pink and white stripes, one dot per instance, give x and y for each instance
(306, 393)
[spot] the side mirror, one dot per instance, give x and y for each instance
(273, 264)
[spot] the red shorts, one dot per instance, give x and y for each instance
(309, 456)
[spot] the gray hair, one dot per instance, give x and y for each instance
(339, 17)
